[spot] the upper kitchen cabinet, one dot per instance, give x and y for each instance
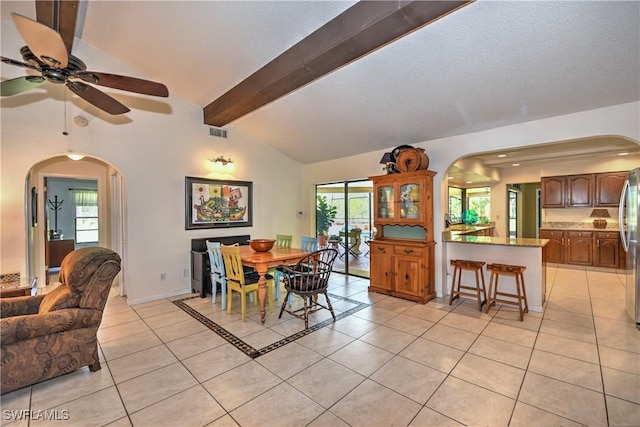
(608, 188)
(582, 191)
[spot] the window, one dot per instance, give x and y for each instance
(86, 202)
(477, 199)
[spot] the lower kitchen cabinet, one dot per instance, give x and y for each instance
(403, 269)
(589, 248)
(579, 249)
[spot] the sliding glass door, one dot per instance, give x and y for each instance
(351, 229)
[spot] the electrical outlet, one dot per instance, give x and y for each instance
(163, 276)
(185, 273)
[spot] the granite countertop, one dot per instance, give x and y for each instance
(583, 226)
(466, 229)
(500, 241)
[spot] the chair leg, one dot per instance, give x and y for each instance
(213, 289)
(243, 305)
(229, 298)
(95, 366)
(270, 295)
(329, 306)
(284, 304)
(306, 312)
(223, 295)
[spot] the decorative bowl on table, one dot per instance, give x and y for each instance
(262, 245)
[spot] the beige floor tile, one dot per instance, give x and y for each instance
(624, 342)
(469, 307)
(409, 378)
(361, 357)
(563, 368)
(376, 314)
(191, 345)
(511, 334)
(610, 309)
(620, 360)
(327, 419)
(242, 329)
(214, 362)
(372, 404)
(429, 417)
(527, 416)
(165, 319)
(622, 413)
(481, 406)
(495, 376)
(579, 305)
(354, 326)
(506, 316)
(565, 400)
(428, 312)
(151, 388)
(241, 384)
(567, 330)
(122, 331)
(433, 354)
(97, 409)
(627, 326)
(180, 330)
(59, 390)
(15, 406)
(262, 338)
(119, 318)
(621, 384)
(502, 351)
(140, 363)
(120, 422)
(130, 344)
(464, 322)
(452, 337)
(225, 421)
(388, 339)
(326, 382)
(157, 309)
(287, 361)
(563, 316)
(325, 341)
(398, 305)
(282, 404)
(169, 412)
(409, 324)
(580, 350)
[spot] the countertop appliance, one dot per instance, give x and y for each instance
(629, 222)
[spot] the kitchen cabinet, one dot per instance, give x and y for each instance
(579, 249)
(554, 250)
(402, 251)
(404, 199)
(403, 269)
(580, 191)
(607, 250)
(608, 188)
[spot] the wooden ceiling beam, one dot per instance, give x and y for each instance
(360, 30)
(67, 15)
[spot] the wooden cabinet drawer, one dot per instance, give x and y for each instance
(377, 248)
(408, 251)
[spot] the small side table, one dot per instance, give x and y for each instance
(18, 288)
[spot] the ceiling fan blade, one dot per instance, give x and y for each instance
(60, 15)
(130, 84)
(17, 63)
(19, 85)
(97, 98)
(44, 42)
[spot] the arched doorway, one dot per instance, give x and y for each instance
(110, 220)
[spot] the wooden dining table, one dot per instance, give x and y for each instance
(262, 261)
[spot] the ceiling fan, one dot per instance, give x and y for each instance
(48, 52)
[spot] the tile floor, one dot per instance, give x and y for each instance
(392, 363)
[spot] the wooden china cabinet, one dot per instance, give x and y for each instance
(402, 251)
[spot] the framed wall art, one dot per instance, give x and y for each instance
(217, 204)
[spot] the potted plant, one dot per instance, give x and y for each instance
(325, 215)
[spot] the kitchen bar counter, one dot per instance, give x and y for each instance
(478, 230)
(581, 226)
(503, 250)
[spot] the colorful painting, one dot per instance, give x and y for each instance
(217, 204)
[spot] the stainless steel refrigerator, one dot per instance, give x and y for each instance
(629, 221)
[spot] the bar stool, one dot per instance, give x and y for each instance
(479, 288)
(520, 296)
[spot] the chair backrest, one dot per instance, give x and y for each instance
(311, 273)
(232, 263)
(215, 258)
(283, 240)
(309, 243)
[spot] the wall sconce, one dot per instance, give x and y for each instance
(220, 162)
(600, 214)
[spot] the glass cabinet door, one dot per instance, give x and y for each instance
(410, 206)
(385, 201)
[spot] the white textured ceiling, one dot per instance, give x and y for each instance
(490, 64)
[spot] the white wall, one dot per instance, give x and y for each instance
(621, 120)
(154, 147)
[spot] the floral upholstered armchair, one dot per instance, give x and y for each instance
(45, 336)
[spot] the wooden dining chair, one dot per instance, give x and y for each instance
(217, 273)
(242, 281)
(282, 241)
(307, 243)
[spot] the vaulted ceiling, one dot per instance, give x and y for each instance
(489, 64)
